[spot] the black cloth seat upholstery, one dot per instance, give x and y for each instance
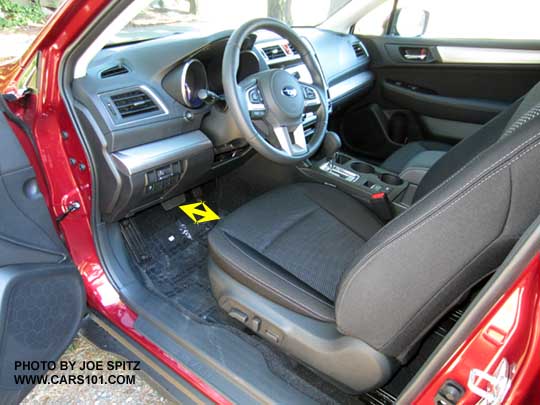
(414, 160)
(352, 298)
(405, 156)
(283, 245)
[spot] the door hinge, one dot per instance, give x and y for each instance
(498, 384)
(72, 207)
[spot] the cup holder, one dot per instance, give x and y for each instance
(362, 167)
(391, 179)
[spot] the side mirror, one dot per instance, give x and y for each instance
(411, 22)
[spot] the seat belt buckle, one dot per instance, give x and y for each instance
(381, 206)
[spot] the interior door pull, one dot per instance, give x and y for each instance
(409, 56)
(415, 54)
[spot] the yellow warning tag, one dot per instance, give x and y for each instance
(199, 212)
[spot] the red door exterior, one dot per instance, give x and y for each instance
(512, 331)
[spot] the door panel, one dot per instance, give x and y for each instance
(42, 298)
(463, 109)
(481, 81)
(474, 82)
(40, 310)
(447, 100)
(26, 223)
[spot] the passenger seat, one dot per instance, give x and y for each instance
(413, 160)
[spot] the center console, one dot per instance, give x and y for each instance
(368, 178)
(361, 179)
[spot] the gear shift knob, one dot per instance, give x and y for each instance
(331, 145)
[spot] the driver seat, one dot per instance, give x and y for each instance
(315, 272)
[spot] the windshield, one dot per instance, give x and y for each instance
(165, 17)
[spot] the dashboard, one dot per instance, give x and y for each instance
(154, 137)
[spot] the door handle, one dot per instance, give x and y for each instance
(409, 56)
(416, 54)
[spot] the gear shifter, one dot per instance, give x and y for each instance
(330, 148)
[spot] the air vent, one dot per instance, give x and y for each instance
(358, 49)
(133, 103)
(114, 71)
(293, 49)
(274, 52)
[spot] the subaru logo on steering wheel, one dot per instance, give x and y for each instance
(289, 91)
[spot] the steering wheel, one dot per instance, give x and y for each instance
(275, 97)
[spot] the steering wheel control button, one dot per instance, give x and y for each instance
(257, 114)
(309, 93)
(255, 96)
(256, 106)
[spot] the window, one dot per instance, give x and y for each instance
(162, 17)
(376, 21)
(465, 19)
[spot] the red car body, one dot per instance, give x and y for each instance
(511, 330)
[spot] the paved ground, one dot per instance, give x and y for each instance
(15, 41)
(81, 349)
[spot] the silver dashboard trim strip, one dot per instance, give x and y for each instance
(151, 155)
(465, 54)
(349, 85)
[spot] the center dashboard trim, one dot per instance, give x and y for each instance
(145, 157)
(352, 84)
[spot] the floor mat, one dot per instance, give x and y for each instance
(171, 251)
(174, 256)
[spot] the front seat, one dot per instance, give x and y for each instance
(413, 160)
(314, 271)
(415, 154)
